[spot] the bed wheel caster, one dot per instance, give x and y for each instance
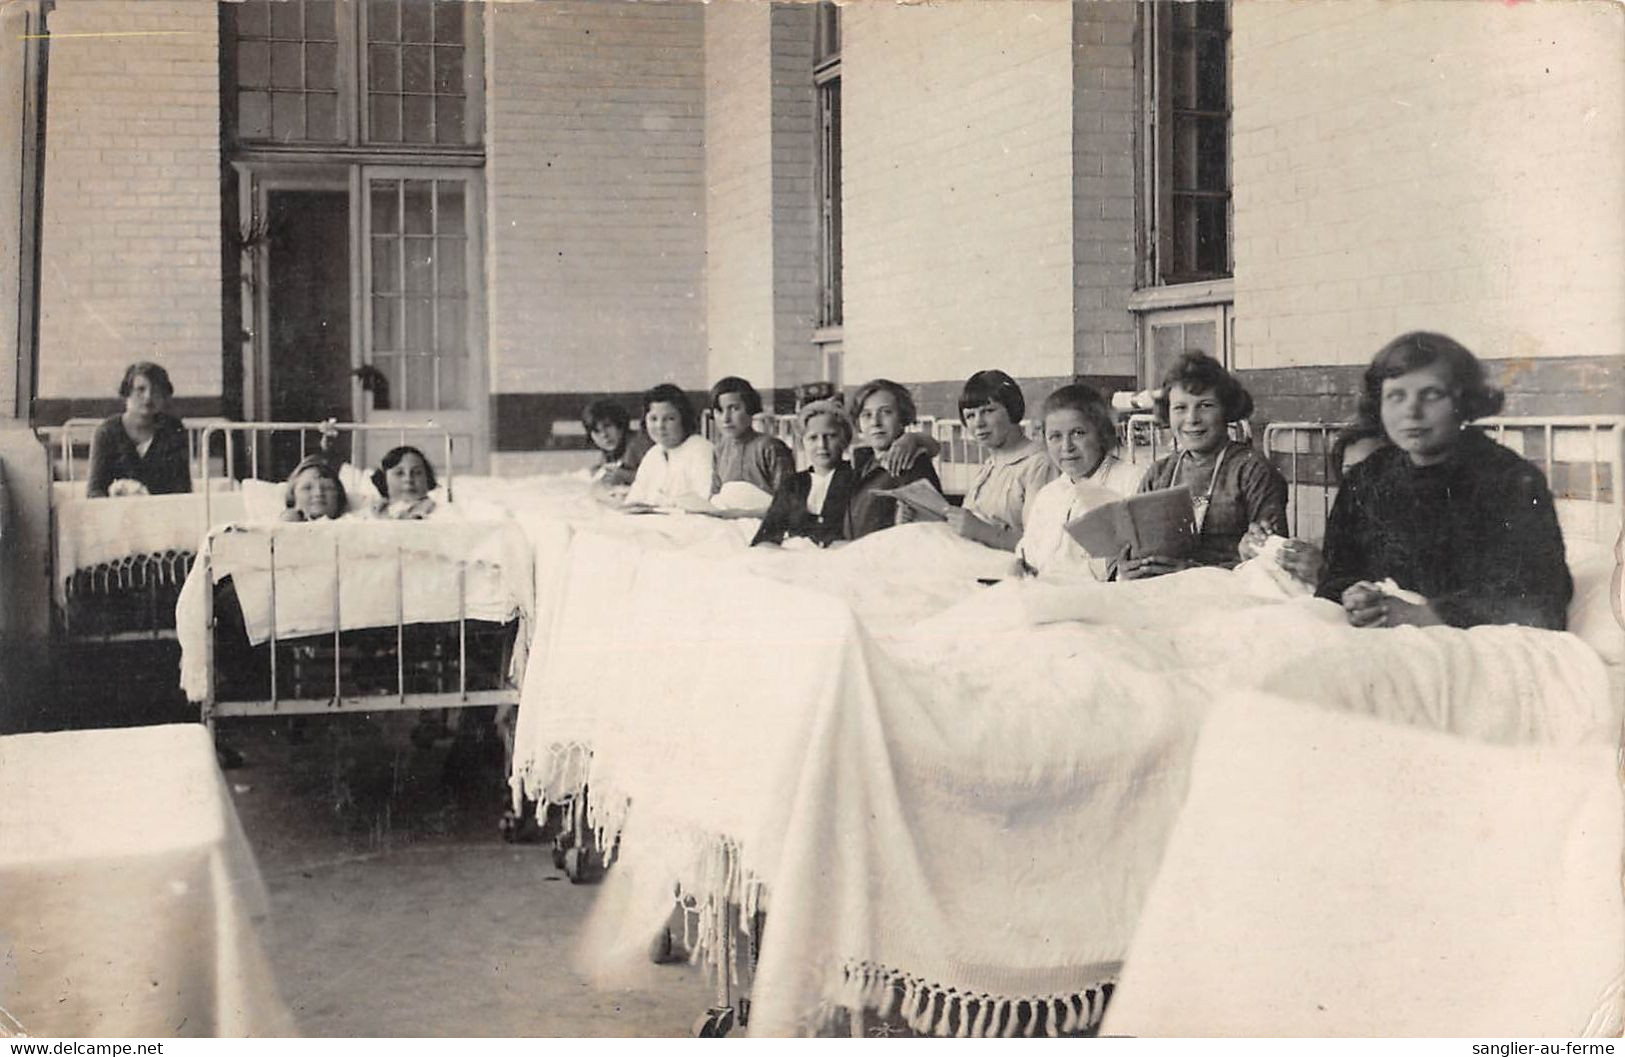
(715, 1023)
(558, 857)
(663, 949)
(580, 866)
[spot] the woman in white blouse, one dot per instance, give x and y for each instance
(678, 471)
(1081, 441)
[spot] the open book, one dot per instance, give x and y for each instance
(1161, 522)
(920, 496)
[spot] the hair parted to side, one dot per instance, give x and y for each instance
(993, 387)
(1470, 388)
(905, 402)
(392, 459)
(155, 375)
(735, 384)
(833, 409)
(325, 469)
(605, 412)
(1197, 372)
(666, 393)
(1086, 400)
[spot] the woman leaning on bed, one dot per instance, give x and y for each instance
(143, 450)
(1442, 510)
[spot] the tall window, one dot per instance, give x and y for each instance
(334, 72)
(827, 78)
(1185, 294)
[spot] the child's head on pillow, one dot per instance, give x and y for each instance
(315, 491)
(404, 475)
(668, 416)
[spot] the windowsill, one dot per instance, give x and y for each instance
(827, 335)
(1183, 295)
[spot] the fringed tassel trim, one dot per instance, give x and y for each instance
(930, 1009)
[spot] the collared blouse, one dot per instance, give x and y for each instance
(1046, 546)
(1006, 482)
(669, 474)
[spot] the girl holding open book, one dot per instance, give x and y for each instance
(1232, 485)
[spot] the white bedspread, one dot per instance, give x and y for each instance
(891, 761)
(364, 573)
(91, 532)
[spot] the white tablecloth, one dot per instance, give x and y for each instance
(130, 904)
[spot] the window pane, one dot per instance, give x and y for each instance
(321, 66)
(285, 20)
(419, 371)
(419, 333)
(1212, 150)
(390, 367)
(448, 22)
(286, 67)
(418, 205)
(1212, 237)
(386, 272)
(417, 21)
(384, 207)
(417, 68)
(319, 20)
(453, 370)
(419, 265)
(385, 324)
(322, 117)
(448, 71)
(1211, 73)
(253, 115)
(383, 22)
(448, 120)
(417, 115)
(383, 68)
(253, 18)
(386, 119)
(449, 220)
(449, 264)
(449, 337)
(253, 65)
(287, 116)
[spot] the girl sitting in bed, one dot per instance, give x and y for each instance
(812, 503)
(678, 471)
(404, 480)
(882, 410)
(991, 406)
(315, 492)
(1081, 441)
(620, 448)
(1442, 511)
(142, 451)
(742, 454)
(1233, 486)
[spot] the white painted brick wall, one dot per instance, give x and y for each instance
(958, 189)
(596, 194)
(1455, 167)
(131, 227)
(1103, 183)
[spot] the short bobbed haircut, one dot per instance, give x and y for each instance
(392, 458)
(1197, 372)
(155, 375)
(833, 409)
(905, 402)
(1470, 389)
(666, 393)
(325, 469)
(735, 384)
(1094, 408)
(993, 387)
(605, 412)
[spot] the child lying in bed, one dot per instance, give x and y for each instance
(404, 480)
(315, 492)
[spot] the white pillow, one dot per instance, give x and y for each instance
(1593, 607)
(358, 487)
(264, 500)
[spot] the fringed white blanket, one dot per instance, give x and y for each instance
(354, 573)
(953, 803)
(92, 532)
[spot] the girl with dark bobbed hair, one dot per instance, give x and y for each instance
(994, 512)
(142, 451)
(1234, 486)
(679, 470)
(1442, 511)
(620, 448)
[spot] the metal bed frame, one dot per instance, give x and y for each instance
(65, 439)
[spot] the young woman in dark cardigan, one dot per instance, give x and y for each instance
(1441, 510)
(143, 449)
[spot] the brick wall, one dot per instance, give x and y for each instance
(130, 246)
(1103, 233)
(1455, 167)
(958, 189)
(596, 195)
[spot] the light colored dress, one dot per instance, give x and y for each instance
(1046, 547)
(669, 474)
(1006, 482)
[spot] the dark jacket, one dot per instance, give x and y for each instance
(165, 468)
(1476, 535)
(788, 514)
(1247, 489)
(869, 512)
